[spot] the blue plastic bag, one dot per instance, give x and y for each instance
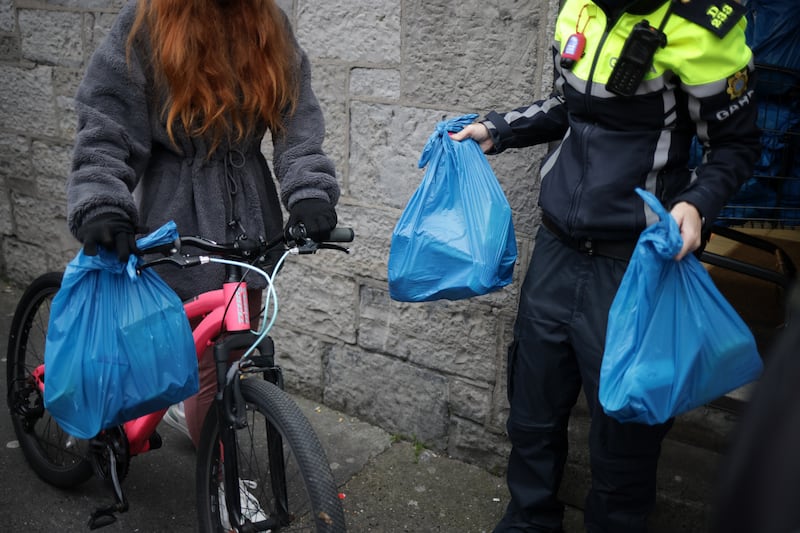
(673, 342)
(455, 238)
(118, 345)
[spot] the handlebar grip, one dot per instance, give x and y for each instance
(340, 234)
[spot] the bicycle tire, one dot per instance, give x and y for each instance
(313, 503)
(55, 456)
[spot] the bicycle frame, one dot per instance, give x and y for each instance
(211, 308)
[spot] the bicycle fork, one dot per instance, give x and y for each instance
(233, 417)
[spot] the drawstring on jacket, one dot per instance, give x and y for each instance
(233, 160)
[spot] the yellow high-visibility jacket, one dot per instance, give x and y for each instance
(700, 84)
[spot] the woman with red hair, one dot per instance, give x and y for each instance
(172, 111)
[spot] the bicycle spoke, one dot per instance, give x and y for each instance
(56, 457)
(282, 469)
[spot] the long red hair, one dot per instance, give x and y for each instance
(226, 65)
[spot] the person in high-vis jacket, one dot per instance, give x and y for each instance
(636, 81)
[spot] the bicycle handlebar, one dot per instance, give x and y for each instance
(243, 248)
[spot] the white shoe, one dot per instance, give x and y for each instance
(251, 509)
(176, 418)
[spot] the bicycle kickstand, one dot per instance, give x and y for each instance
(105, 516)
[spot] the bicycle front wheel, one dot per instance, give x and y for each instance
(55, 456)
(285, 481)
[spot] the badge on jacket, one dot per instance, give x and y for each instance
(737, 84)
(717, 16)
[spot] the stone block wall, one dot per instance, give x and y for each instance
(385, 72)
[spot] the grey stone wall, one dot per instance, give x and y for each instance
(386, 73)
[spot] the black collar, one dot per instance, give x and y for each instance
(636, 7)
(642, 7)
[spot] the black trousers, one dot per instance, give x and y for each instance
(558, 344)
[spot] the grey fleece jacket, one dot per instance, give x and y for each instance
(123, 161)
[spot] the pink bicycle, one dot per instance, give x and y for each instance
(260, 466)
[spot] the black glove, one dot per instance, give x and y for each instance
(318, 216)
(112, 231)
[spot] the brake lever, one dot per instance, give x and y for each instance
(181, 261)
(329, 246)
(307, 246)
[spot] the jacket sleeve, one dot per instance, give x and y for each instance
(541, 122)
(302, 168)
(725, 115)
(113, 140)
